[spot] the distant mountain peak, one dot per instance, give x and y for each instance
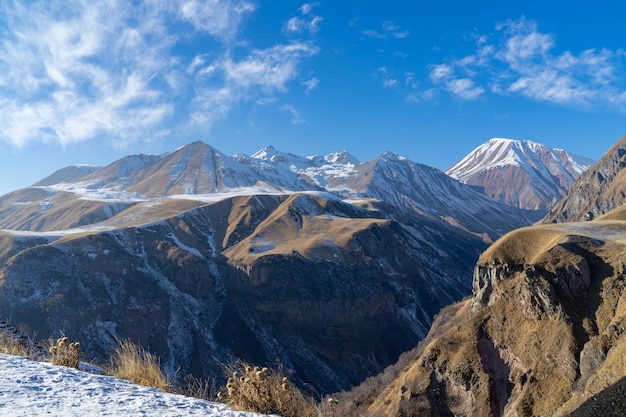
(520, 173)
(340, 157)
(266, 153)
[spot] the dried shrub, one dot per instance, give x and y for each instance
(65, 354)
(133, 363)
(265, 391)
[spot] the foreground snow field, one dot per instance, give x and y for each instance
(29, 388)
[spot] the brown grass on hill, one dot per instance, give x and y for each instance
(135, 364)
(265, 391)
(523, 245)
(64, 353)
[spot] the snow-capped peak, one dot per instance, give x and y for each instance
(491, 165)
(265, 153)
(341, 157)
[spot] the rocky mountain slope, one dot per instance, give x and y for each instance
(600, 189)
(520, 173)
(543, 331)
(330, 266)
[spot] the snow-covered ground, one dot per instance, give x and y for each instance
(29, 388)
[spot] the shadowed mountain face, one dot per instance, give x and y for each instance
(520, 173)
(598, 190)
(330, 266)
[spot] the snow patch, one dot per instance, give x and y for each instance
(40, 388)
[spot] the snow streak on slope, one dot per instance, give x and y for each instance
(29, 388)
(520, 173)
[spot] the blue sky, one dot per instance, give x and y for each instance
(91, 81)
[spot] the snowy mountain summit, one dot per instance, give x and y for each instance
(520, 173)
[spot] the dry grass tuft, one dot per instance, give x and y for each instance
(65, 354)
(265, 391)
(135, 364)
(198, 388)
(10, 346)
(18, 342)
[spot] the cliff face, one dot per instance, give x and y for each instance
(330, 289)
(597, 191)
(543, 331)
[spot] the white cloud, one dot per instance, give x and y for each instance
(311, 84)
(523, 62)
(220, 18)
(440, 73)
(389, 26)
(373, 34)
(420, 96)
(308, 7)
(295, 115)
(263, 72)
(298, 25)
(308, 22)
(401, 35)
(270, 69)
(463, 88)
(73, 70)
(80, 74)
(388, 29)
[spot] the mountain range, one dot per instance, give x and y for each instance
(331, 266)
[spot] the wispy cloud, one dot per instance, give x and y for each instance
(73, 70)
(522, 61)
(311, 84)
(217, 17)
(306, 22)
(263, 72)
(295, 115)
(463, 88)
(388, 29)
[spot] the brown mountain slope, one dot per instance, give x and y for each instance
(330, 289)
(598, 190)
(543, 331)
